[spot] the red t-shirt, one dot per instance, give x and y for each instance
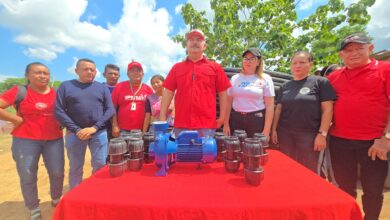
(37, 111)
(196, 85)
(362, 107)
(128, 116)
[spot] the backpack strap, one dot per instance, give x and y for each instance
(22, 91)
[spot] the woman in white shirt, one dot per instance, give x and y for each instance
(251, 97)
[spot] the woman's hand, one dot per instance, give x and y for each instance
(18, 121)
(226, 129)
(274, 137)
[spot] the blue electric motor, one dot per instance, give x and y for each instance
(187, 147)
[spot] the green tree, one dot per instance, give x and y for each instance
(272, 26)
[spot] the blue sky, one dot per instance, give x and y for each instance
(58, 32)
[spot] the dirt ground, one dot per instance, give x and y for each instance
(11, 201)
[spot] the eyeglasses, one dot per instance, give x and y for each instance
(250, 60)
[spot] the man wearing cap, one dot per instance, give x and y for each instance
(361, 122)
(84, 106)
(196, 81)
(129, 98)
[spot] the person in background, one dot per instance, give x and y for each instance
(129, 98)
(195, 82)
(111, 74)
(251, 97)
(303, 113)
(36, 132)
(84, 106)
(153, 104)
(361, 122)
(326, 71)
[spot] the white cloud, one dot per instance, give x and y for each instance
(142, 34)
(305, 4)
(178, 9)
(379, 26)
(52, 26)
(49, 27)
(40, 53)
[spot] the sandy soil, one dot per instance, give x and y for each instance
(11, 201)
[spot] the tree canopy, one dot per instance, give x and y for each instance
(274, 27)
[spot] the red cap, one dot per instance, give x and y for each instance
(134, 64)
(195, 32)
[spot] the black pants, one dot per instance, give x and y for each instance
(346, 155)
(299, 145)
(252, 122)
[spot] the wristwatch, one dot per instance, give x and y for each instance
(387, 135)
(323, 133)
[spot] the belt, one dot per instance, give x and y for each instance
(248, 113)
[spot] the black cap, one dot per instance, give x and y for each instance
(253, 50)
(360, 38)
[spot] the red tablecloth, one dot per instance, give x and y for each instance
(289, 191)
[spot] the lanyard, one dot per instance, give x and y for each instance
(131, 89)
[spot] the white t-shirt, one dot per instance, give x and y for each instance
(248, 91)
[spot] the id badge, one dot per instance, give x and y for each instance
(133, 106)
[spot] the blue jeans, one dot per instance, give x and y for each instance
(76, 154)
(26, 154)
(299, 145)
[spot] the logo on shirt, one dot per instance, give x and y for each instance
(304, 91)
(40, 105)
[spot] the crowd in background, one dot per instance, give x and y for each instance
(341, 115)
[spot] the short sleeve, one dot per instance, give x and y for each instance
(269, 89)
(232, 80)
(10, 95)
(148, 108)
(327, 92)
(115, 95)
(386, 76)
(170, 82)
(223, 82)
(280, 94)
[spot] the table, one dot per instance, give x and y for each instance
(289, 191)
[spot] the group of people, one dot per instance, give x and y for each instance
(351, 104)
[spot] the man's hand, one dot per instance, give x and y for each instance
(86, 133)
(319, 143)
(379, 149)
(116, 131)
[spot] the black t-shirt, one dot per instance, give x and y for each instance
(301, 103)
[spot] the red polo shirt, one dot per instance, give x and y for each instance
(37, 111)
(123, 98)
(196, 85)
(362, 107)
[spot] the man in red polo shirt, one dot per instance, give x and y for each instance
(360, 122)
(196, 82)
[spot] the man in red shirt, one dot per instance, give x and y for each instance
(196, 82)
(361, 122)
(129, 98)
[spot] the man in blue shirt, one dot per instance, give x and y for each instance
(84, 106)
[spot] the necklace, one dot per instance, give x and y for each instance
(133, 105)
